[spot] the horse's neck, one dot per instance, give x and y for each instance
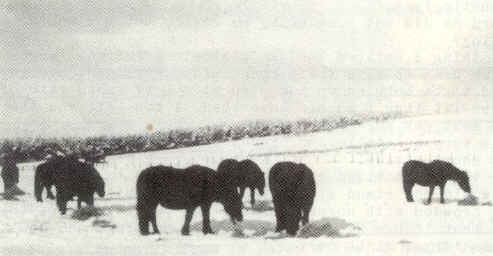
(454, 174)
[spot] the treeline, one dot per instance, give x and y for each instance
(32, 149)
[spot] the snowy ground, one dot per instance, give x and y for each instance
(359, 192)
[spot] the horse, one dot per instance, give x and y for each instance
(189, 188)
(293, 190)
(70, 178)
(435, 173)
(43, 179)
(245, 174)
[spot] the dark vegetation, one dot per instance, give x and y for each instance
(33, 149)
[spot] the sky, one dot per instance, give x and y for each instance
(80, 68)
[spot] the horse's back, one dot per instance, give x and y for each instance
(443, 167)
(292, 185)
(228, 171)
(413, 168)
(75, 176)
(287, 176)
(227, 165)
(249, 173)
(175, 188)
(159, 179)
(249, 166)
(46, 171)
(424, 174)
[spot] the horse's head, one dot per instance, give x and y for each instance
(260, 183)
(292, 216)
(463, 180)
(231, 201)
(98, 182)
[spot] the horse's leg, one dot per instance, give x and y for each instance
(143, 221)
(281, 213)
(242, 193)
(442, 191)
(408, 189)
(61, 203)
(252, 196)
(49, 194)
(432, 188)
(79, 202)
(206, 221)
(305, 217)
(188, 217)
(154, 220)
(90, 200)
(144, 215)
(277, 212)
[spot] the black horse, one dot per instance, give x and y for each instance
(245, 174)
(44, 179)
(195, 186)
(71, 178)
(293, 190)
(435, 173)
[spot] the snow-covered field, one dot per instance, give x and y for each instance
(359, 192)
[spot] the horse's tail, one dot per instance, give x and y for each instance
(274, 183)
(38, 182)
(406, 173)
(407, 169)
(143, 196)
(309, 181)
(410, 170)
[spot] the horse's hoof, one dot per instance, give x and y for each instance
(185, 233)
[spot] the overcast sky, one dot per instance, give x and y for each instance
(112, 67)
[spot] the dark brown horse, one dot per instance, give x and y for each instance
(71, 178)
(44, 179)
(293, 190)
(433, 174)
(244, 174)
(195, 186)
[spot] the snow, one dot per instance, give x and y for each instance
(359, 195)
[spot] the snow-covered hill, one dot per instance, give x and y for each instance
(359, 192)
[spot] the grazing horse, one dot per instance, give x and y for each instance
(245, 174)
(172, 188)
(435, 173)
(293, 190)
(71, 178)
(43, 178)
